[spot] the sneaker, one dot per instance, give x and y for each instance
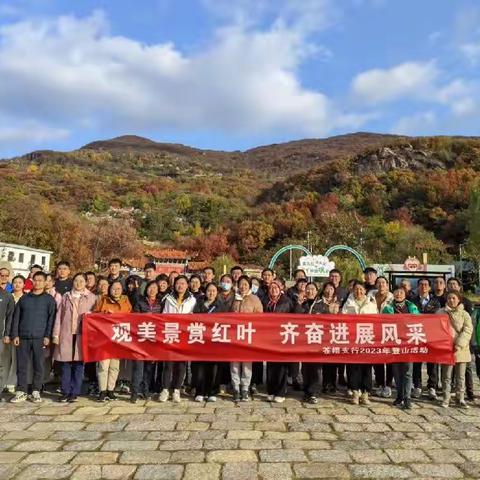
(72, 399)
(398, 402)
(64, 399)
(416, 392)
(236, 396)
(278, 399)
(164, 394)
(11, 389)
(245, 397)
(134, 398)
(124, 388)
(407, 404)
(35, 397)
(355, 397)
(253, 389)
(111, 395)
(270, 398)
(386, 392)
(199, 398)
(462, 404)
(432, 394)
(103, 397)
(176, 396)
(445, 404)
(349, 393)
(364, 399)
(212, 398)
(312, 400)
(19, 397)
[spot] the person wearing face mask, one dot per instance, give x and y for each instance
(67, 336)
(383, 372)
(277, 372)
(241, 372)
(255, 285)
(173, 375)
(226, 293)
(114, 302)
(402, 372)
(359, 376)
(462, 329)
(207, 382)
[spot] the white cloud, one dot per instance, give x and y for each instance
(31, 132)
(72, 71)
(384, 85)
(472, 52)
(421, 123)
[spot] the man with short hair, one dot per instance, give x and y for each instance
(28, 282)
(208, 275)
(5, 285)
(335, 276)
(407, 286)
(63, 282)
(370, 275)
(32, 327)
(114, 267)
(236, 272)
(440, 290)
(150, 274)
(7, 306)
(427, 303)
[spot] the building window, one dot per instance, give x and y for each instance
(43, 261)
(21, 257)
(32, 259)
(11, 256)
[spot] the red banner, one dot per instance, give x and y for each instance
(268, 337)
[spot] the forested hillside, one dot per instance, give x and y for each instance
(387, 196)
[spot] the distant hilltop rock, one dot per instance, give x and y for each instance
(402, 157)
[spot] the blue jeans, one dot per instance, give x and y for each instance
(402, 372)
(72, 378)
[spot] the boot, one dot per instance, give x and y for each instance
(355, 397)
(364, 399)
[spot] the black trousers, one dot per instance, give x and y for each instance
(383, 379)
(173, 375)
(206, 378)
(30, 348)
(257, 373)
(360, 377)
(142, 374)
(223, 373)
(311, 373)
(432, 372)
(277, 378)
(329, 372)
(294, 371)
(91, 372)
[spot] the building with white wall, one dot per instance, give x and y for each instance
(21, 258)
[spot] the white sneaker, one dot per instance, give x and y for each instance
(278, 399)
(36, 398)
(432, 394)
(386, 392)
(199, 398)
(416, 392)
(176, 396)
(164, 394)
(349, 393)
(270, 398)
(212, 399)
(19, 397)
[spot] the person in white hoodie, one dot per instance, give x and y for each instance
(173, 375)
(360, 374)
(383, 372)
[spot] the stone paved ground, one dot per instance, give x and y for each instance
(253, 440)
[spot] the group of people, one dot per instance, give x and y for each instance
(41, 317)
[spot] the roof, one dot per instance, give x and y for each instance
(169, 253)
(24, 247)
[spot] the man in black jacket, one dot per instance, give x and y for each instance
(63, 282)
(32, 327)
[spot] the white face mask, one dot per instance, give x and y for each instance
(225, 286)
(254, 289)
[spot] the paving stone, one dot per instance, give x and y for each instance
(187, 456)
(181, 445)
(38, 446)
(143, 457)
(406, 456)
(202, 471)
(88, 458)
(54, 426)
(122, 445)
(244, 434)
(247, 471)
(83, 446)
(9, 471)
(275, 471)
(34, 472)
(117, 472)
(159, 472)
(51, 458)
(369, 456)
(306, 444)
(321, 470)
(11, 457)
(380, 472)
(441, 470)
(283, 455)
(87, 472)
(260, 444)
(471, 455)
(339, 456)
(231, 456)
(445, 455)
(286, 435)
(75, 436)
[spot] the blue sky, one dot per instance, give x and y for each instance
(233, 74)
